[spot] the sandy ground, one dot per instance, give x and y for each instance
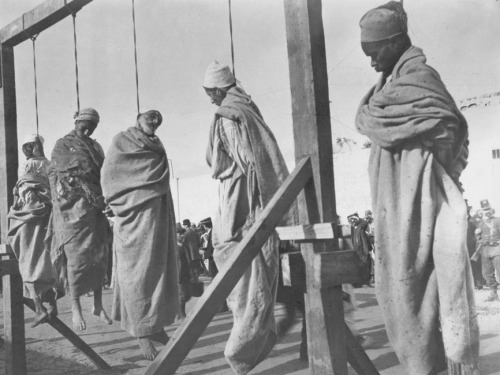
(48, 353)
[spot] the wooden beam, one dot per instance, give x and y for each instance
(8, 135)
(313, 138)
(5, 249)
(357, 357)
(307, 233)
(334, 268)
(171, 357)
(312, 232)
(9, 267)
(13, 311)
(39, 19)
(64, 330)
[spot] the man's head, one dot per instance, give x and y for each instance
(149, 121)
(384, 36)
(206, 223)
(33, 146)
(368, 215)
(86, 121)
(186, 223)
(486, 209)
(218, 80)
(353, 219)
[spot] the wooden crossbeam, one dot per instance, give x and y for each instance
(330, 268)
(171, 357)
(313, 232)
(9, 267)
(38, 19)
(64, 330)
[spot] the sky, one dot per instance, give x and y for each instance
(177, 39)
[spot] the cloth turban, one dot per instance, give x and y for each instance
(152, 117)
(217, 76)
(383, 22)
(32, 138)
(89, 114)
(353, 215)
(207, 222)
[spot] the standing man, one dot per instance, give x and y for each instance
(192, 244)
(207, 250)
(362, 245)
(423, 275)
(29, 217)
(80, 226)
(244, 156)
(136, 183)
(490, 252)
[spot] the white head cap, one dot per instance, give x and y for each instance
(218, 75)
(33, 138)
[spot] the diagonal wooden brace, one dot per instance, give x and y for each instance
(64, 330)
(171, 357)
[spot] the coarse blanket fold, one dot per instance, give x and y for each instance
(81, 238)
(423, 275)
(28, 221)
(136, 187)
(257, 142)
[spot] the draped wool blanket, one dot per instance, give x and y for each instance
(136, 184)
(243, 193)
(423, 275)
(80, 228)
(29, 218)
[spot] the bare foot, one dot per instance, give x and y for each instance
(148, 349)
(160, 337)
(40, 317)
(78, 322)
(102, 315)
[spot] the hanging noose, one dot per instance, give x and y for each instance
(76, 59)
(231, 35)
(135, 58)
(33, 39)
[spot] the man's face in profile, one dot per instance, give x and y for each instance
(383, 55)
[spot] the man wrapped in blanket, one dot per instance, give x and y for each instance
(29, 221)
(244, 156)
(136, 184)
(81, 229)
(423, 276)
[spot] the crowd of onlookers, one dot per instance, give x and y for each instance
(483, 244)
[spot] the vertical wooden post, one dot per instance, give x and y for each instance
(313, 138)
(15, 348)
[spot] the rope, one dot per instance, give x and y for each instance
(76, 63)
(33, 39)
(231, 34)
(135, 57)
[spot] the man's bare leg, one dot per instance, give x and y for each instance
(148, 349)
(98, 309)
(78, 322)
(41, 314)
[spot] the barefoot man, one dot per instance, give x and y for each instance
(136, 186)
(80, 226)
(29, 218)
